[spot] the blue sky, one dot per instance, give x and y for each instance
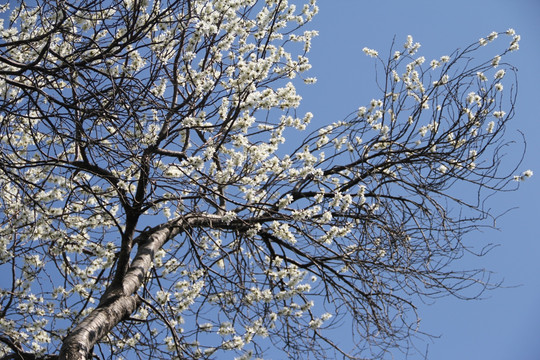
(506, 324)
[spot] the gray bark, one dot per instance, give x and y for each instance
(120, 301)
(79, 343)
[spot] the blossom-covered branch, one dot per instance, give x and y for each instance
(150, 208)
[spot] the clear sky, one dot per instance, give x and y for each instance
(506, 325)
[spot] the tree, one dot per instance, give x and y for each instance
(150, 210)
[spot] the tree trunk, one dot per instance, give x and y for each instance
(119, 301)
(79, 343)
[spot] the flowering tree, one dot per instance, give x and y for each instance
(149, 209)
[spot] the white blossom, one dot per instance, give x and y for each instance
(525, 175)
(500, 74)
(514, 45)
(490, 127)
(495, 61)
(492, 36)
(445, 58)
(442, 169)
(499, 114)
(370, 52)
